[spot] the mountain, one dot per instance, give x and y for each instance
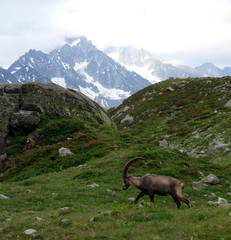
(79, 65)
(145, 64)
(6, 76)
(155, 70)
(210, 70)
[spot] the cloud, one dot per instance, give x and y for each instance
(168, 28)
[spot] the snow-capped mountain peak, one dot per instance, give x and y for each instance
(78, 64)
(145, 64)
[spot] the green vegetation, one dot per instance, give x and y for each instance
(55, 195)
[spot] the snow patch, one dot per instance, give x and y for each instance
(88, 92)
(80, 68)
(59, 81)
(111, 93)
(115, 56)
(66, 65)
(75, 43)
(144, 71)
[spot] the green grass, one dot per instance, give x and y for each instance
(40, 183)
(44, 196)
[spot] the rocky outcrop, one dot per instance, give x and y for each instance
(21, 105)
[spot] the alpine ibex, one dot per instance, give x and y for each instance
(154, 184)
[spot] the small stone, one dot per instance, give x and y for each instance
(64, 152)
(131, 199)
(222, 202)
(30, 231)
(212, 203)
(110, 191)
(3, 197)
(64, 208)
(93, 185)
(108, 212)
(39, 219)
(163, 143)
(211, 179)
(197, 185)
(64, 220)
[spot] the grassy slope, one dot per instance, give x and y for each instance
(59, 182)
(190, 118)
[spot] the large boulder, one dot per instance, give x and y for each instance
(19, 101)
(24, 122)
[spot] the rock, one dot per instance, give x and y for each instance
(211, 179)
(64, 220)
(44, 98)
(163, 143)
(127, 118)
(221, 202)
(216, 147)
(3, 197)
(3, 157)
(24, 122)
(212, 195)
(64, 208)
(99, 214)
(29, 231)
(63, 152)
(169, 89)
(4, 126)
(131, 199)
(39, 219)
(228, 104)
(111, 191)
(212, 203)
(197, 185)
(93, 185)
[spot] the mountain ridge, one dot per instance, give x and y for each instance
(107, 77)
(78, 64)
(155, 70)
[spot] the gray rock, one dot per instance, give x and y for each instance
(63, 152)
(228, 104)
(211, 179)
(217, 147)
(170, 89)
(3, 197)
(221, 202)
(24, 122)
(3, 157)
(30, 231)
(197, 185)
(127, 118)
(163, 143)
(44, 98)
(93, 185)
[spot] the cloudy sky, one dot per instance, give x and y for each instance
(188, 32)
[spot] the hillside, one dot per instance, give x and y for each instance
(191, 115)
(80, 196)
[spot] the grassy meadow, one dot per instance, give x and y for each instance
(80, 196)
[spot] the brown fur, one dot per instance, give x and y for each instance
(154, 184)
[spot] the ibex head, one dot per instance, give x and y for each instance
(126, 178)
